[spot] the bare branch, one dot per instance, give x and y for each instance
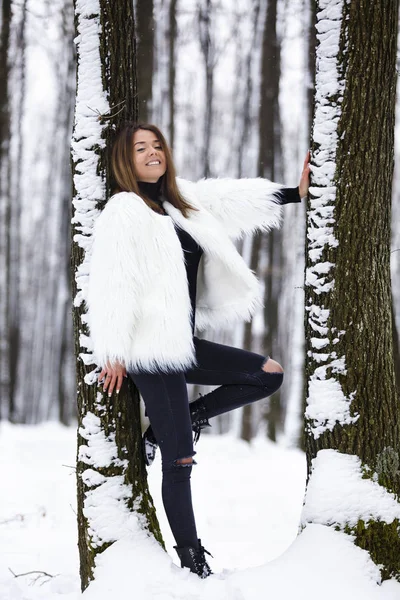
(40, 575)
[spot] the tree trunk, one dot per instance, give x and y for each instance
(66, 396)
(246, 88)
(5, 207)
(208, 50)
(270, 166)
(244, 118)
(267, 248)
(107, 427)
(247, 432)
(17, 91)
(352, 412)
(145, 56)
(173, 31)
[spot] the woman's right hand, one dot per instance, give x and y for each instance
(305, 176)
(113, 376)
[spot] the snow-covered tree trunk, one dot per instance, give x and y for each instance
(111, 477)
(352, 410)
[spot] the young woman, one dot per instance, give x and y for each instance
(163, 262)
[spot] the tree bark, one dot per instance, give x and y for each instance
(115, 421)
(352, 397)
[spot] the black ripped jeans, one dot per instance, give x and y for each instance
(241, 379)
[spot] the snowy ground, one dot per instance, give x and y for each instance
(247, 499)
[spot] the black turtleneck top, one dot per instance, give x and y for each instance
(191, 250)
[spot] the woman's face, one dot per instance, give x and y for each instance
(148, 156)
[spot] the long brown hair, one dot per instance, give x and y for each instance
(125, 176)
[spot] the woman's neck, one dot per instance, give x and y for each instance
(151, 190)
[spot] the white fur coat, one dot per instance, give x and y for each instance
(137, 297)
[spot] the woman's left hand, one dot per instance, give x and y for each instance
(305, 177)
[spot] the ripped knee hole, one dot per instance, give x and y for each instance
(188, 461)
(271, 366)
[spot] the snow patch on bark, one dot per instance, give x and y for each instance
(327, 405)
(91, 102)
(339, 495)
(106, 497)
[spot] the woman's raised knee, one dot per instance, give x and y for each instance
(272, 381)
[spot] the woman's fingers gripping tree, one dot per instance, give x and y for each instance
(113, 376)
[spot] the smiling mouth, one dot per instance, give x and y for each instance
(153, 163)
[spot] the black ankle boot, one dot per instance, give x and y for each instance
(195, 560)
(149, 446)
(200, 421)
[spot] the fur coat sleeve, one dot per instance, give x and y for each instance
(241, 205)
(117, 281)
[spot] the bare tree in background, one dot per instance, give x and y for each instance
(63, 315)
(47, 350)
(5, 208)
(12, 194)
(266, 253)
(36, 353)
(145, 56)
(172, 33)
(270, 166)
(207, 44)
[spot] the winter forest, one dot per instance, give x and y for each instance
(296, 495)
